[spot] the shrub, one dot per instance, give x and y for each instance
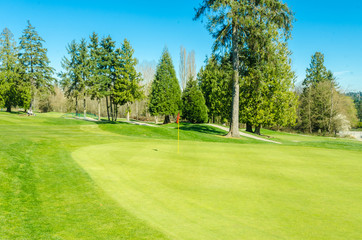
(193, 104)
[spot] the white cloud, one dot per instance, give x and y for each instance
(342, 73)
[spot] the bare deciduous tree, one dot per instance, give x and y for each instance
(182, 68)
(187, 67)
(191, 66)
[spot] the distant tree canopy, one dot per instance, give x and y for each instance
(357, 99)
(165, 98)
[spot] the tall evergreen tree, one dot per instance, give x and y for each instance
(8, 76)
(127, 83)
(319, 104)
(165, 96)
(84, 71)
(107, 72)
(76, 75)
(13, 91)
(229, 22)
(34, 61)
(316, 72)
(215, 83)
(267, 97)
(69, 78)
(95, 89)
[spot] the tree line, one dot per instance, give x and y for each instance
(247, 79)
(318, 107)
(101, 70)
(250, 73)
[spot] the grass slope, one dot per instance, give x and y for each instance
(44, 194)
(71, 179)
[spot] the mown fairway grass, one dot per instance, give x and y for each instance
(71, 179)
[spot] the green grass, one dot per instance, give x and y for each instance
(72, 179)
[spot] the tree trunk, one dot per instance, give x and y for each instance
(249, 127)
(127, 108)
(331, 112)
(309, 109)
(137, 110)
(76, 106)
(111, 105)
(167, 119)
(31, 103)
(115, 107)
(85, 108)
(257, 129)
(99, 109)
(8, 108)
(155, 119)
(107, 108)
(234, 124)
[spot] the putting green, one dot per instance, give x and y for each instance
(232, 191)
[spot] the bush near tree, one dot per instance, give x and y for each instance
(193, 103)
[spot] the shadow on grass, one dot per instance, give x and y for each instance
(14, 112)
(103, 121)
(202, 129)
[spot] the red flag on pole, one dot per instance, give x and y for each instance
(178, 132)
(178, 118)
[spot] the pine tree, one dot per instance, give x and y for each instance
(165, 96)
(13, 91)
(215, 83)
(316, 72)
(193, 103)
(34, 61)
(84, 71)
(107, 72)
(317, 108)
(127, 83)
(228, 21)
(71, 79)
(267, 97)
(76, 76)
(8, 76)
(95, 89)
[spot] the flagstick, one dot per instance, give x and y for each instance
(178, 136)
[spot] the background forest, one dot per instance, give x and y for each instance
(103, 80)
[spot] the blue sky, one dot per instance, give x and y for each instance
(330, 27)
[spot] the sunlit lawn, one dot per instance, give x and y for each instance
(72, 179)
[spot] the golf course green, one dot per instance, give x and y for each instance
(74, 179)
